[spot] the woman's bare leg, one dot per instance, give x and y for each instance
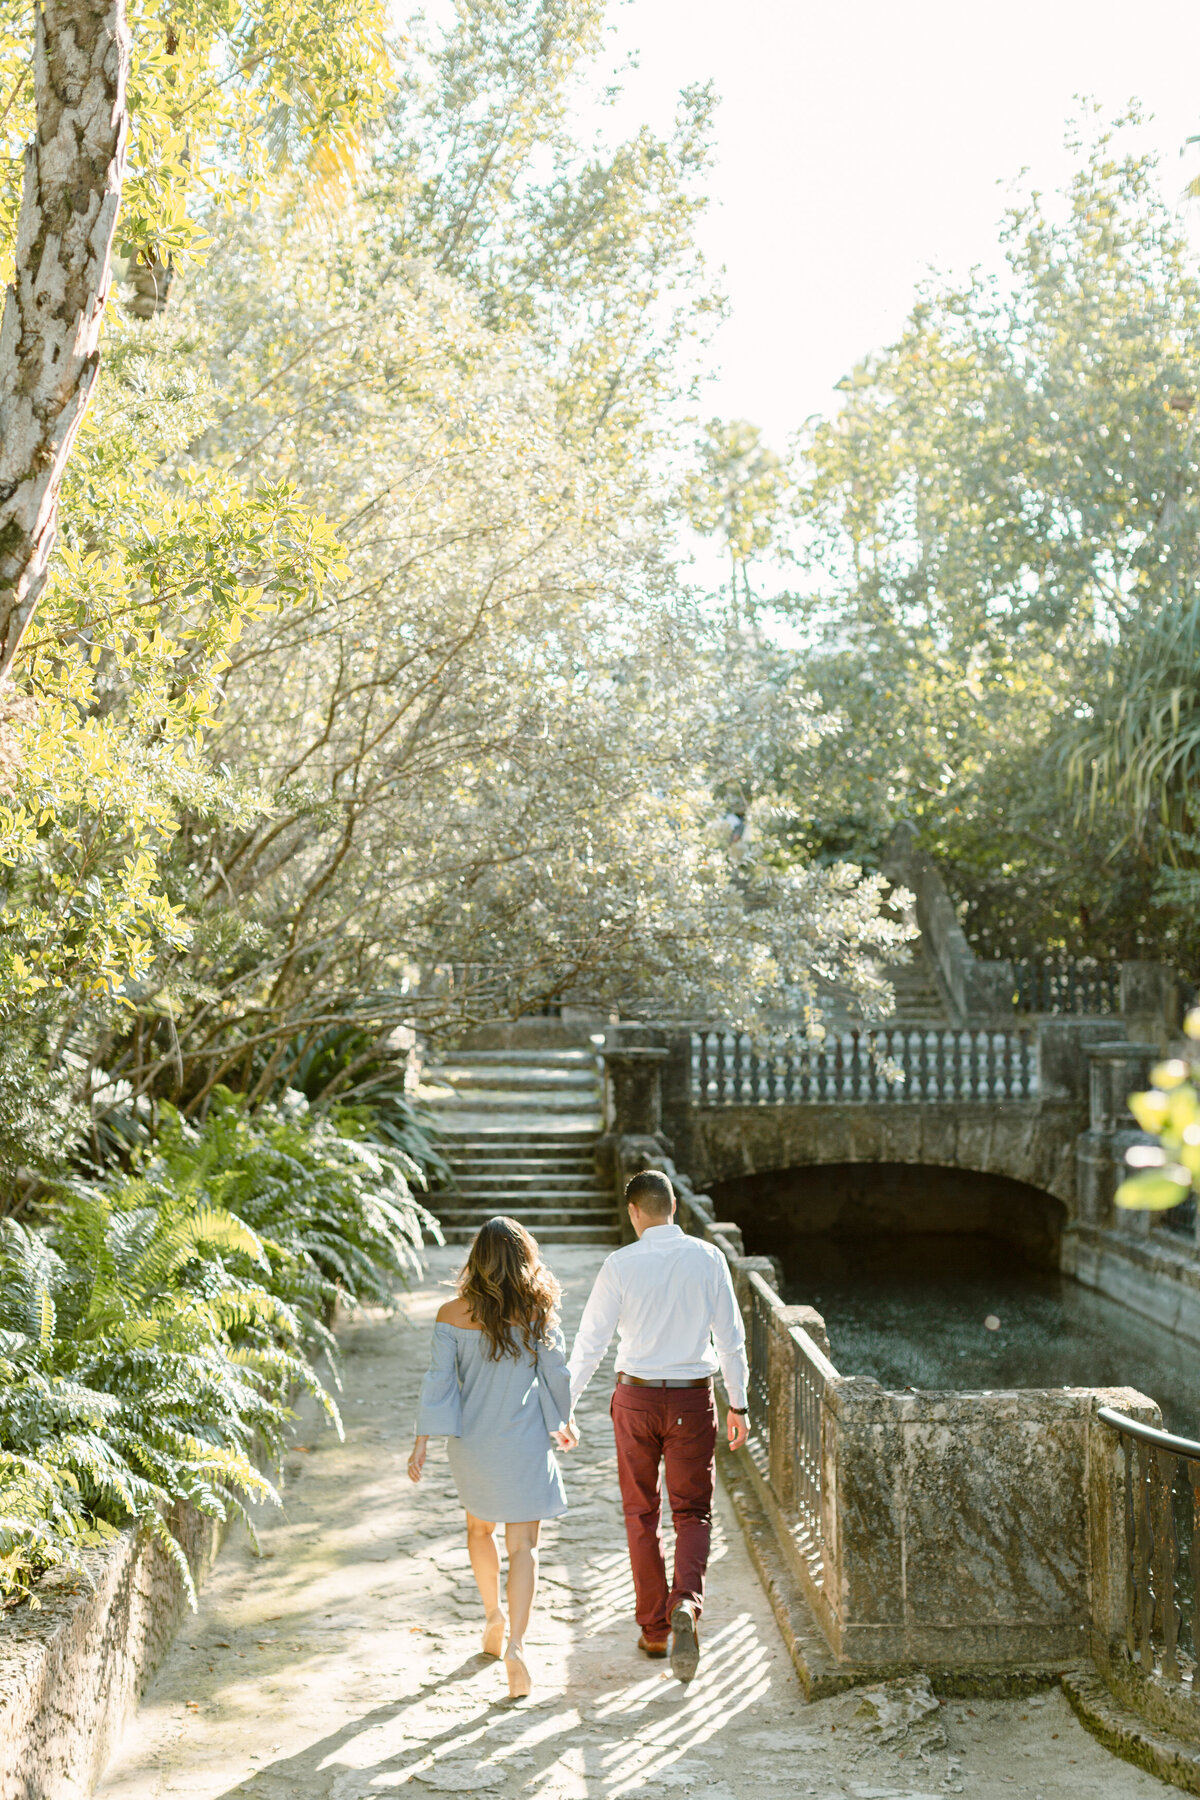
(522, 1543)
(485, 1566)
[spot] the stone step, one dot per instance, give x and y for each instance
(510, 1100)
(472, 1180)
(519, 1081)
(514, 1168)
(606, 1235)
(489, 1138)
(535, 1059)
(504, 1201)
(533, 1216)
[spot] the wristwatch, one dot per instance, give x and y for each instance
(739, 1409)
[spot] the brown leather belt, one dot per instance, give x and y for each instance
(637, 1381)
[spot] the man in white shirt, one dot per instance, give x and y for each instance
(670, 1299)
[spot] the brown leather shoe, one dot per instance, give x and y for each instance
(648, 1647)
(685, 1642)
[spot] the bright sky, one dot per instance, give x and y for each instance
(862, 142)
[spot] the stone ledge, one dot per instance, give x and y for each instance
(1128, 1736)
(72, 1671)
(1152, 1277)
(817, 1667)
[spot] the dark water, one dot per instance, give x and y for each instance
(910, 1311)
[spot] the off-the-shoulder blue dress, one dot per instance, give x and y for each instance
(496, 1417)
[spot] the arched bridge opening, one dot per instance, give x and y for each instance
(783, 1212)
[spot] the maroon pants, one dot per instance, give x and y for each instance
(676, 1427)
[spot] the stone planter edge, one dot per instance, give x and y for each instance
(73, 1670)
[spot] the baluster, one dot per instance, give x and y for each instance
(856, 1068)
(1006, 1064)
(990, 1060)
(883, 1043)
(839, 1068)
(872, 1071)
(700, 1065)
(1193, 1474)
(722, 1095)
(939, 1065)
(739, 1069)
(974, 1072)
(1168, 1563)
(1132, 1586)
(921, 1072)
(1143, 1552)
(788, 1052)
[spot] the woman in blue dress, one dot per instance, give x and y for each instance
(498, 1390)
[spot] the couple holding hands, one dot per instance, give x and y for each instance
(502, 1391)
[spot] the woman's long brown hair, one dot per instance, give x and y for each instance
(509, 1288)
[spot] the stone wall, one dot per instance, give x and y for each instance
(72, 1670)
(1031, 1142)
(961, 1529)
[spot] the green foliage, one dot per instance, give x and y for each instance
(1000, 529)
(221, 95)
(739, 493)
(155, 1328)
(355, 1069)
(1168, 1171)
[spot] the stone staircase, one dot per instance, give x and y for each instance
(519, 1129)
(918, 997)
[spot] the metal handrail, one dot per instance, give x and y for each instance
(1149, 1434)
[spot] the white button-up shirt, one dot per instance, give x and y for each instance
(670, 1299)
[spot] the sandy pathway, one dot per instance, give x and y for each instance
(359, 1633)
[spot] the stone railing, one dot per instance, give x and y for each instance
(1067, 986)
(1145, 1629)
(971, 1534)
(927, 1063)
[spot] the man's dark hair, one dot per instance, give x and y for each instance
(651, 1192)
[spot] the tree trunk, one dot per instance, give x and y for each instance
(50, 332)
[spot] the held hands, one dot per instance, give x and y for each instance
(416, 1461)
(567, 1438)
(738, 1427)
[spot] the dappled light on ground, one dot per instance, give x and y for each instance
(345, 1664)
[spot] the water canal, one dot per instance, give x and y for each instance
(909, 1264)
(914, 1312)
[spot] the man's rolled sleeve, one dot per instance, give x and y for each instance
(729, 1338)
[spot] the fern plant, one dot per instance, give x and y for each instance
(155, 1327)
(348, 1066)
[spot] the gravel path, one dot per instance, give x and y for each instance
(359, 1631)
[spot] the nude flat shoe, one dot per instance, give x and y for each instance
(493, 1634)
(520, 1682)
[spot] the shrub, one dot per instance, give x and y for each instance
(156, 1324)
